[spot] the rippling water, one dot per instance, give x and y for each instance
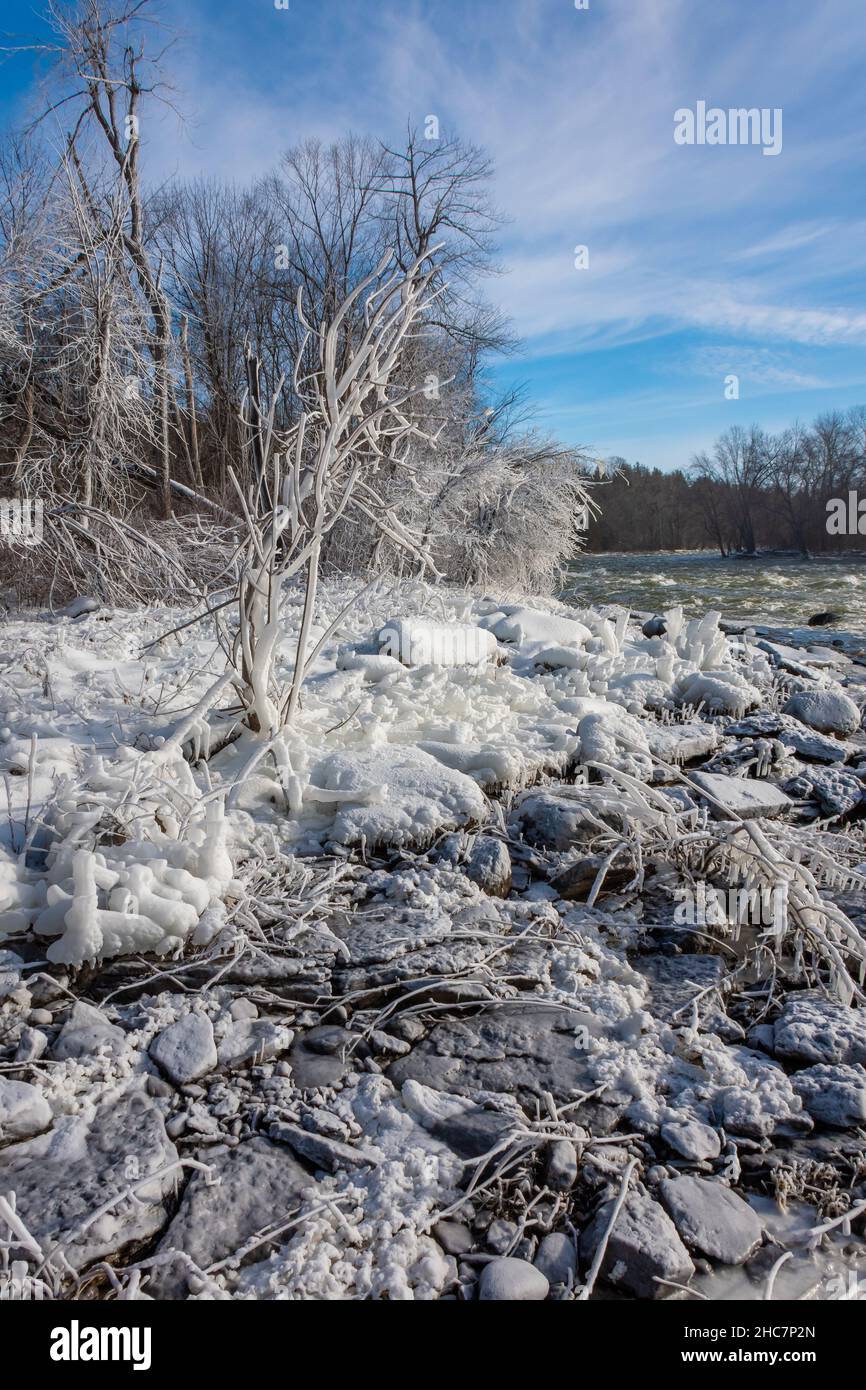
(777, 590)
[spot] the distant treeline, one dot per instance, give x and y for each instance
(802, 490)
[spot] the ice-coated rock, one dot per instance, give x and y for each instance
(248, 1189)
(86, 1033)
(691, 1139)
(529, 625)
(569, 816)
(557, 1258)
(833, 1095)
(62, 1178)
(711, 1218)
(395, 796)
(806, 742)
(31, 1045)
(508, 1280)
(680, 743)
(24, 1111)
(813, 1028)
(186, 1049)
(829, 710)
(490, 866)
(643, 1248)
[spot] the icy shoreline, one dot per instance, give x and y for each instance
(408, 1009)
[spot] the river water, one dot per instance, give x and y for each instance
(779, 591)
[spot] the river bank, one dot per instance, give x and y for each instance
(428, 1002)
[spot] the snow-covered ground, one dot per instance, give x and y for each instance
(400, 1003)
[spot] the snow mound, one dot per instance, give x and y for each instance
(523, 626)
(421, 642)
(394, 795)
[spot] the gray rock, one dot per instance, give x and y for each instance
(501, 1235)
(86, 1033)
(250, 1188)
(692, 1139)
(833, 1095)
(829, 711)
(520, 1049)
(469, 1133)
(62, 1178)
(680, 743)
(512, 1281)
(813, 1028)
(711, 1218)
(24, 1111)
(490, 866)
(643, 1248)
(186, 1049)
(560, 1171)
(454, 1237)
(557, 1258)
(320, 1150)
(321, 1057)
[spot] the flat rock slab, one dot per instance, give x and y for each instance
(711, 1218)
(249, 1189)
(643, 1248)
(741, 796)
(520, 1049)
(384, 933)
(813, 1028)
(61, 1179)
(186, 1049)
(470, 1133)
(680, 743)
(320, 1150)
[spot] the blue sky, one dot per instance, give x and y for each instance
(703, 260)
